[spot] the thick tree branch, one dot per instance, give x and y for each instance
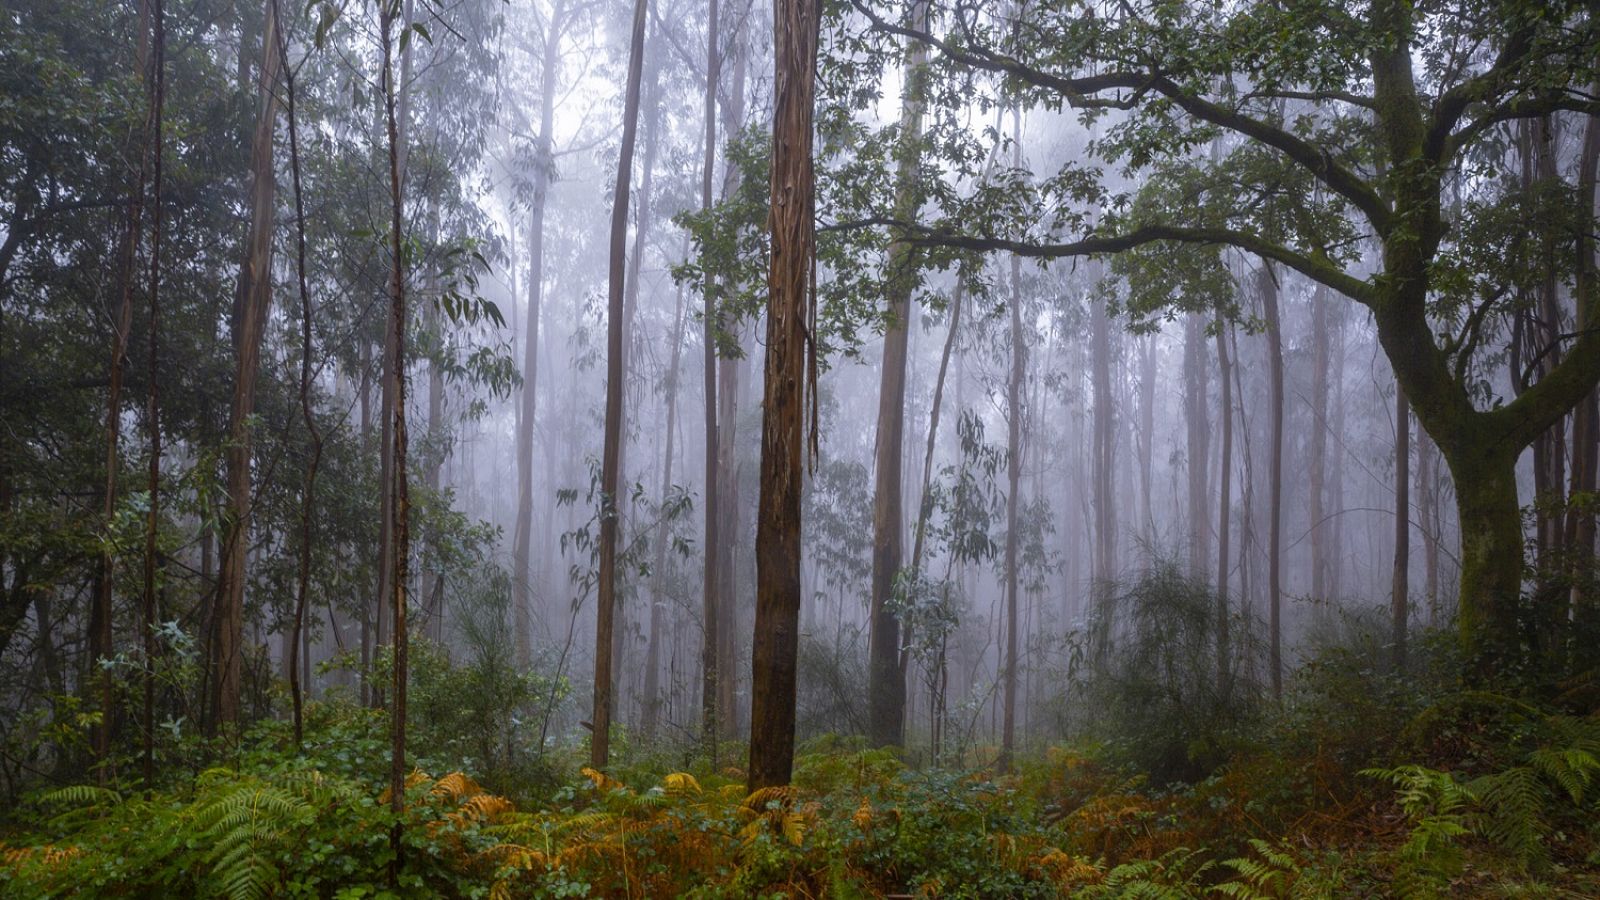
(1079, 93)
(1318, 270)
(1520, 108)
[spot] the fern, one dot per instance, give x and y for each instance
(1513, 806)
(80, 795)
(244, 824)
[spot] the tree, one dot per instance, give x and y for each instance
(886, 687)
(1400, 593)
(101, 631)
(1172, 67)
(555, 23)
(1196, 370)
(711, 612)
(1019, 365)
(397, 489)
(1266, 279)
(600, 746)
(147, 619)
(1225, 505)
(1317, 477)
(789, 371)
(313, 433)
(251, 309)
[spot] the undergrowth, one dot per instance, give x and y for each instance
(1359, 784)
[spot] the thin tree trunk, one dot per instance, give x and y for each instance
(1008, 738)
(650, 97)
(1580, 524)
(313, 435)
(886, 687)
(1428, 486)
(789, 371)
(147, 621)
(728, 391)
(1147, 429)
(1318, 475)
(710, 677)
(600, 745)
(1269, 298)
(1105, 514)
(521, 574)
(1400, 590)
(919, 533)
(100, 630)
(386, 537)
(658, 598)
(1198, 433)
(1225, 504)
(249, 324)
(397, 490)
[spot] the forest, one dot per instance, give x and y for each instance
(817, 449)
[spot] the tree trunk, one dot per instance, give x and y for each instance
(710, 676)
(521, 574)
(1008, 736)
(788, 374)
(634, 275)
(1225, 504)
(600, 746)
(658, 598)
(886, 687)
(1493, 632)
(249, 329)
(1147, 431)
(1400, 591)
(101, 614)
(1318, 476)
(728, 517)
(397, 490)
(313, 435)
(1198, 433)
(1269, 299)
(147, 620)
(1105, 514)
(1580, 524)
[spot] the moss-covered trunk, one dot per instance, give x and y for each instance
(1491, 621)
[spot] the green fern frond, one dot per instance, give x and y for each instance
(81, 795)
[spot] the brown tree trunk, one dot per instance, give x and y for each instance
(600, 746)
(710, 675)
(1269, 299)
(1317, 477)
(1105, 513)
(249, 329)
(100, 630)
(313, 435)
(1008, 734)
(1198, 433)
(386, 536)
(147, 620)
(658, 599)
(1580, 526)
(790, 311)
(397, 490)
(522, 543)
(1147, 429)
(886, 686)
(1400, 591)
(1225, 504)
(728, 391)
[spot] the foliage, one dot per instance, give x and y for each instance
(1153, 680)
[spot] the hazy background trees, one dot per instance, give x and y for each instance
(1009, 430)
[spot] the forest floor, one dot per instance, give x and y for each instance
(1356, 785)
